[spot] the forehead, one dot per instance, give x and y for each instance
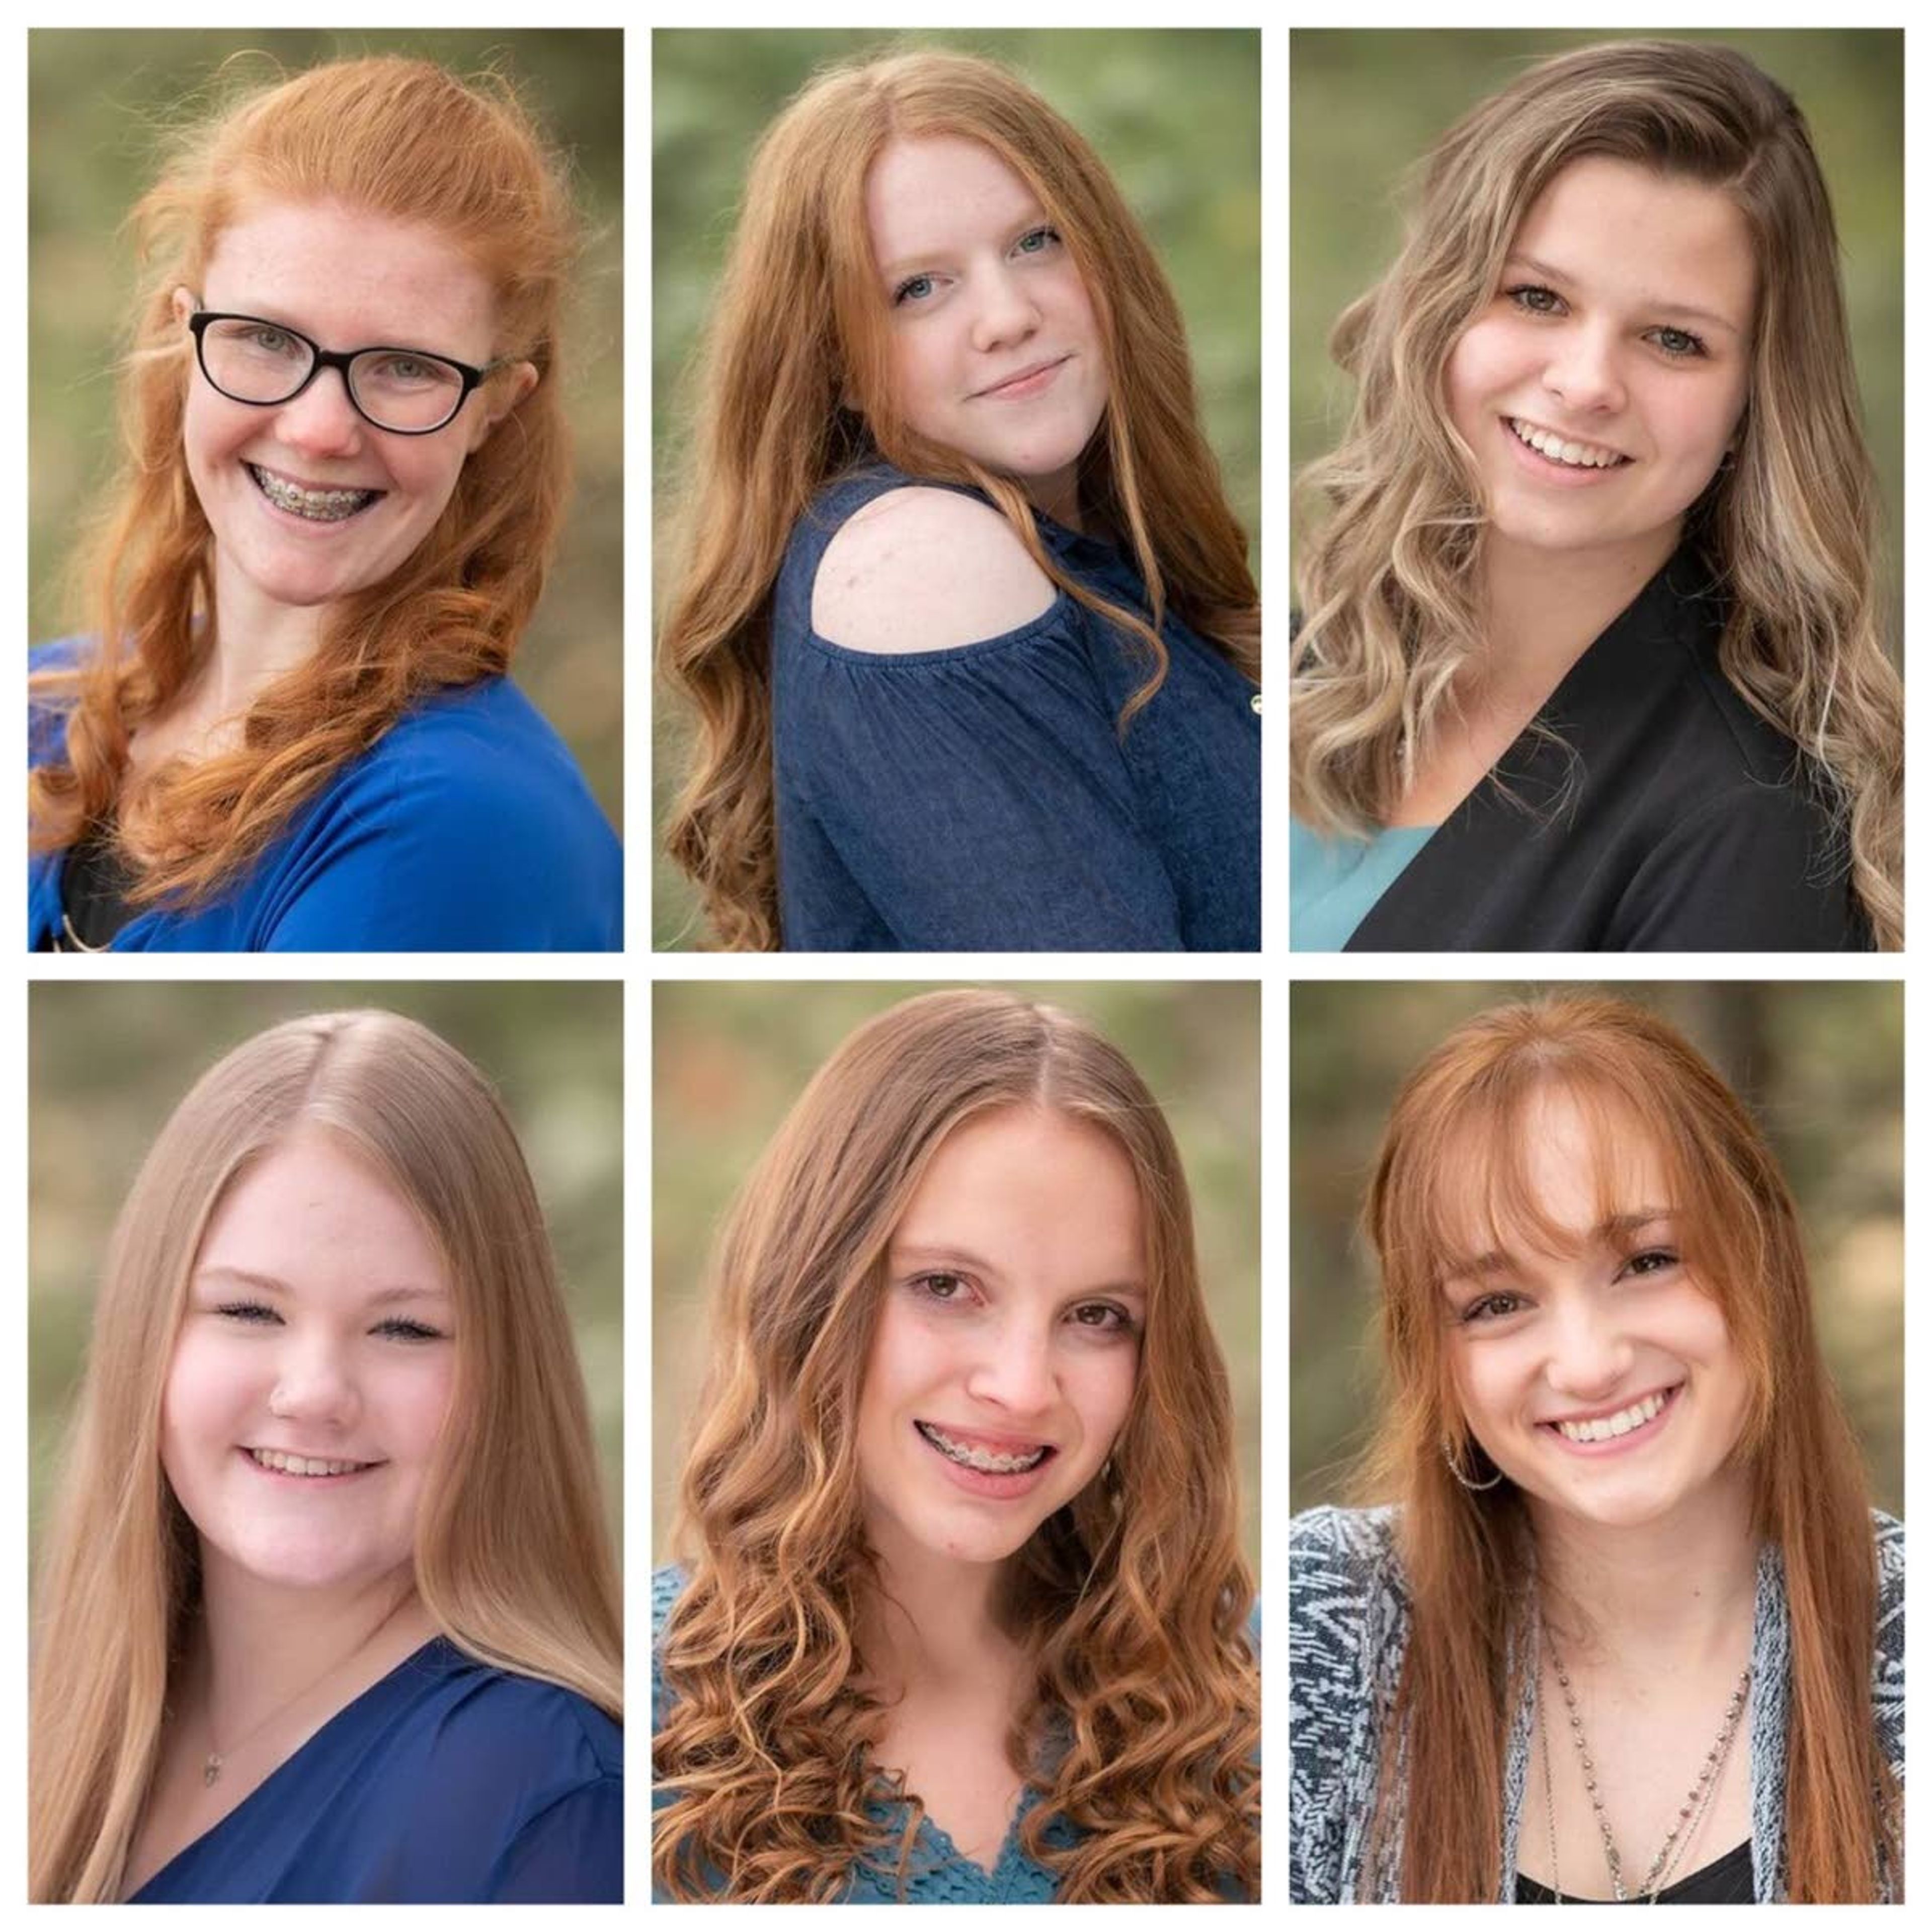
(309, 1213)
(933, 191)
(350, 277)
(1034, 1186)
(1541, 1173)
(1635, 231)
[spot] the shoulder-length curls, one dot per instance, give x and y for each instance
(1458, 1138)
(513, 1558)
(1135, 1596)
(1386, 580)
(796, 386)
(404, 139)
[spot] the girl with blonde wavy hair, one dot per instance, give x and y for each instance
(328, 1609)
(344, 464)
(1591, 655)
(961, 1613)
(965, 622)
(1621, 1623)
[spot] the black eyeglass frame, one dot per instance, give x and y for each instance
(323, 359)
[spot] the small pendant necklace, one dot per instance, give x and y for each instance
(1690, 1814)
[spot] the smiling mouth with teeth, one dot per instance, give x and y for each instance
(982, 1459)
(1557, 449)
(315, 506)
(304, 1465)
(1605, 1428)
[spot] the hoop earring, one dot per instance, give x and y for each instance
(1449, 1457)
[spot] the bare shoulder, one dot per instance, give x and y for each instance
(923, 570)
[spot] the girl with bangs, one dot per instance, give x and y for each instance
(327, 1610)
(345, 465)
(1623, 1625)
(965, 621)
(1590, 654)
(961, 1615)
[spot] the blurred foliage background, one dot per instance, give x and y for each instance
(1819, 1064)
(101, 105)
(730, 1058)
(110, 1063)
(1174, 114)
(1367, 106)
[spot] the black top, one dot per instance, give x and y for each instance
(1725, 1881)
(95, 885)
(1648, 809)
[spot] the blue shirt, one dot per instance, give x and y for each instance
(448, 1782)
(465, 827)
(937, 1873)
(985, 798)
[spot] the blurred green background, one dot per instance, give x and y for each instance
(108, 1063)
(1366, 106)
(99, 104)
(729, 1058)
(1175, 114)
(1820, 1065)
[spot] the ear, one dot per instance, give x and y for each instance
(184, 305)
(501, 393)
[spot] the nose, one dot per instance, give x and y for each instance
(322, 420)
(1014, 1369)
(1006, 312)
(1582, 371)
(313, 1384)
(1589, 1355)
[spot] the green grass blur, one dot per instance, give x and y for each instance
(730, 1057)
(109, 1063)
(1175, 114)
(1367, 105)
(99, 104)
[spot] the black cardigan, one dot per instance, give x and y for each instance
(1663, 815)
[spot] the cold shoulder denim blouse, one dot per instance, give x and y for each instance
(985, 798)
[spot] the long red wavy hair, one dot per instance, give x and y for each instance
(795, 387)
(408, 141)
(1456, 1135)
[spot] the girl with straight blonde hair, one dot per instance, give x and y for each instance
(1591, 655)
(960, 1613)
(344, 466)
(965, 622)
(328, 1609)
(1623, 1624)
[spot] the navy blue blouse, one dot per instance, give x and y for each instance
(448, 1782)
(985, 798)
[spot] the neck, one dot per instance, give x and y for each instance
(1543, 609)
(1058, 496)
(935, 1624)
(259, 1648)
(1662, 1598)
(255, 640)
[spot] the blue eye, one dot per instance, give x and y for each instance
(1679, 343)
(1036, 240)
(1534, 299)
(914, 288)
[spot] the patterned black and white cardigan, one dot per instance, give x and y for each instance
(1347, 1629)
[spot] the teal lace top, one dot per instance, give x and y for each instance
(936, 1874)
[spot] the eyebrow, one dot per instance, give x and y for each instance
(903, 1254)
(1656, 304)
(269, 1284)
(1615, 1228)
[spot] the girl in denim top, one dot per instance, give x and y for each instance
(960, 1613)
(965, 619)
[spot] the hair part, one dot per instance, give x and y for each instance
(513, 1557)
(406, 140)
(1465, 1553)
(782, 411)
(1135, 1596)
(1388, 583)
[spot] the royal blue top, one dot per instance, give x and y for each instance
(465, 827)
(448, 1782)
(937, 1872)
(985, 798)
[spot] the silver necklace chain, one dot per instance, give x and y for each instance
(1689, 1814)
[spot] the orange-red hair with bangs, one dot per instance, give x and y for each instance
(795, 387)
(1134, 1597)
(405, 140)
(1456, 1135)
